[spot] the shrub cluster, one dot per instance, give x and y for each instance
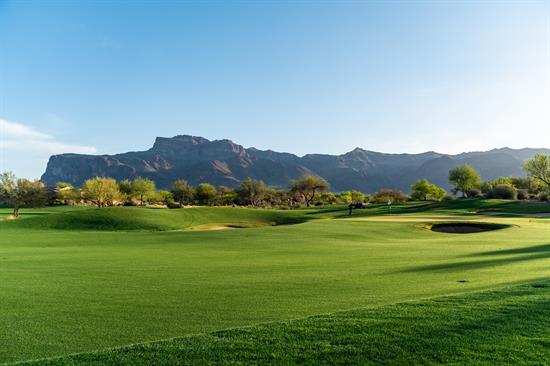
(389, 195)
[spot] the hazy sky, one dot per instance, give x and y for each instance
(392, 76)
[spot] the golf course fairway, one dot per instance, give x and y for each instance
(147, 275)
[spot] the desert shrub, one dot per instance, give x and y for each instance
(174, 204)
(521, 182)
(473, 192)
(357, 197)
(325, 198)
(385, 195)
(486, 187)
(163, 197)
(503, 191)
(344, 197)
(128, 201)
(423, 190)
(523, 194)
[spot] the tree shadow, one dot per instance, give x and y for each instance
(524, 250)
(533, 253)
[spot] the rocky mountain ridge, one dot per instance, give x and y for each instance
(223, 162)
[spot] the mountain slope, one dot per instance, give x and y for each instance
(223, 162)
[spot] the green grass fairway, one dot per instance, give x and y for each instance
(152, 274)
(505, 327)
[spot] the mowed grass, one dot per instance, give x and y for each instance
(148, 219)
(67, 288)
(509, 326)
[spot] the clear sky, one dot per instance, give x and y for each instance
(302, 77)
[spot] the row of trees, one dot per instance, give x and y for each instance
(306, 191)
(21, 192)
(467, 181)
(106, 191)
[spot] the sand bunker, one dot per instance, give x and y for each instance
(465, 227)
(221, 228)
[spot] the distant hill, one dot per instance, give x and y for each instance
(223, 162)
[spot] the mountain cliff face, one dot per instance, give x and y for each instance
(222, 162)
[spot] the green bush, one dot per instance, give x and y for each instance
(385, 195)
(503, 191)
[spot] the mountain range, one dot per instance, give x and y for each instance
(223, 162)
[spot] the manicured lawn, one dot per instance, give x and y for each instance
(67, 288)
(510, 326)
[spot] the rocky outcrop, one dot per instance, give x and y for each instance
(223, 162)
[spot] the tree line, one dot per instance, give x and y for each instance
(536, 185)
(304, 192)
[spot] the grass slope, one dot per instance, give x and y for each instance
(66, 288)
(459, 207)
(510, 326)
(137, 218)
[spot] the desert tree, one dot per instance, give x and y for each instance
(251, 191)
(205, 193)
(425, 190)
(125, 188)
(276, 197)
(65, 193)
(21, 192)
(307, 186)
(344, 197)
(165, 197)
(357, 197)
(389, 195)
(143, 189)
(328, 198)
(538, 168)
(225, 196)
(101, 191)
(464, 178)
(182, 191)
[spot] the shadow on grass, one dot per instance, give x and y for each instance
(524, 250)
(535, 253)
(32, 214)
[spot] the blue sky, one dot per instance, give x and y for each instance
(302, 77)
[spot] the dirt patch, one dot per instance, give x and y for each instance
(465, 227)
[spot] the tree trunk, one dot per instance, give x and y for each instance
(308, 200)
